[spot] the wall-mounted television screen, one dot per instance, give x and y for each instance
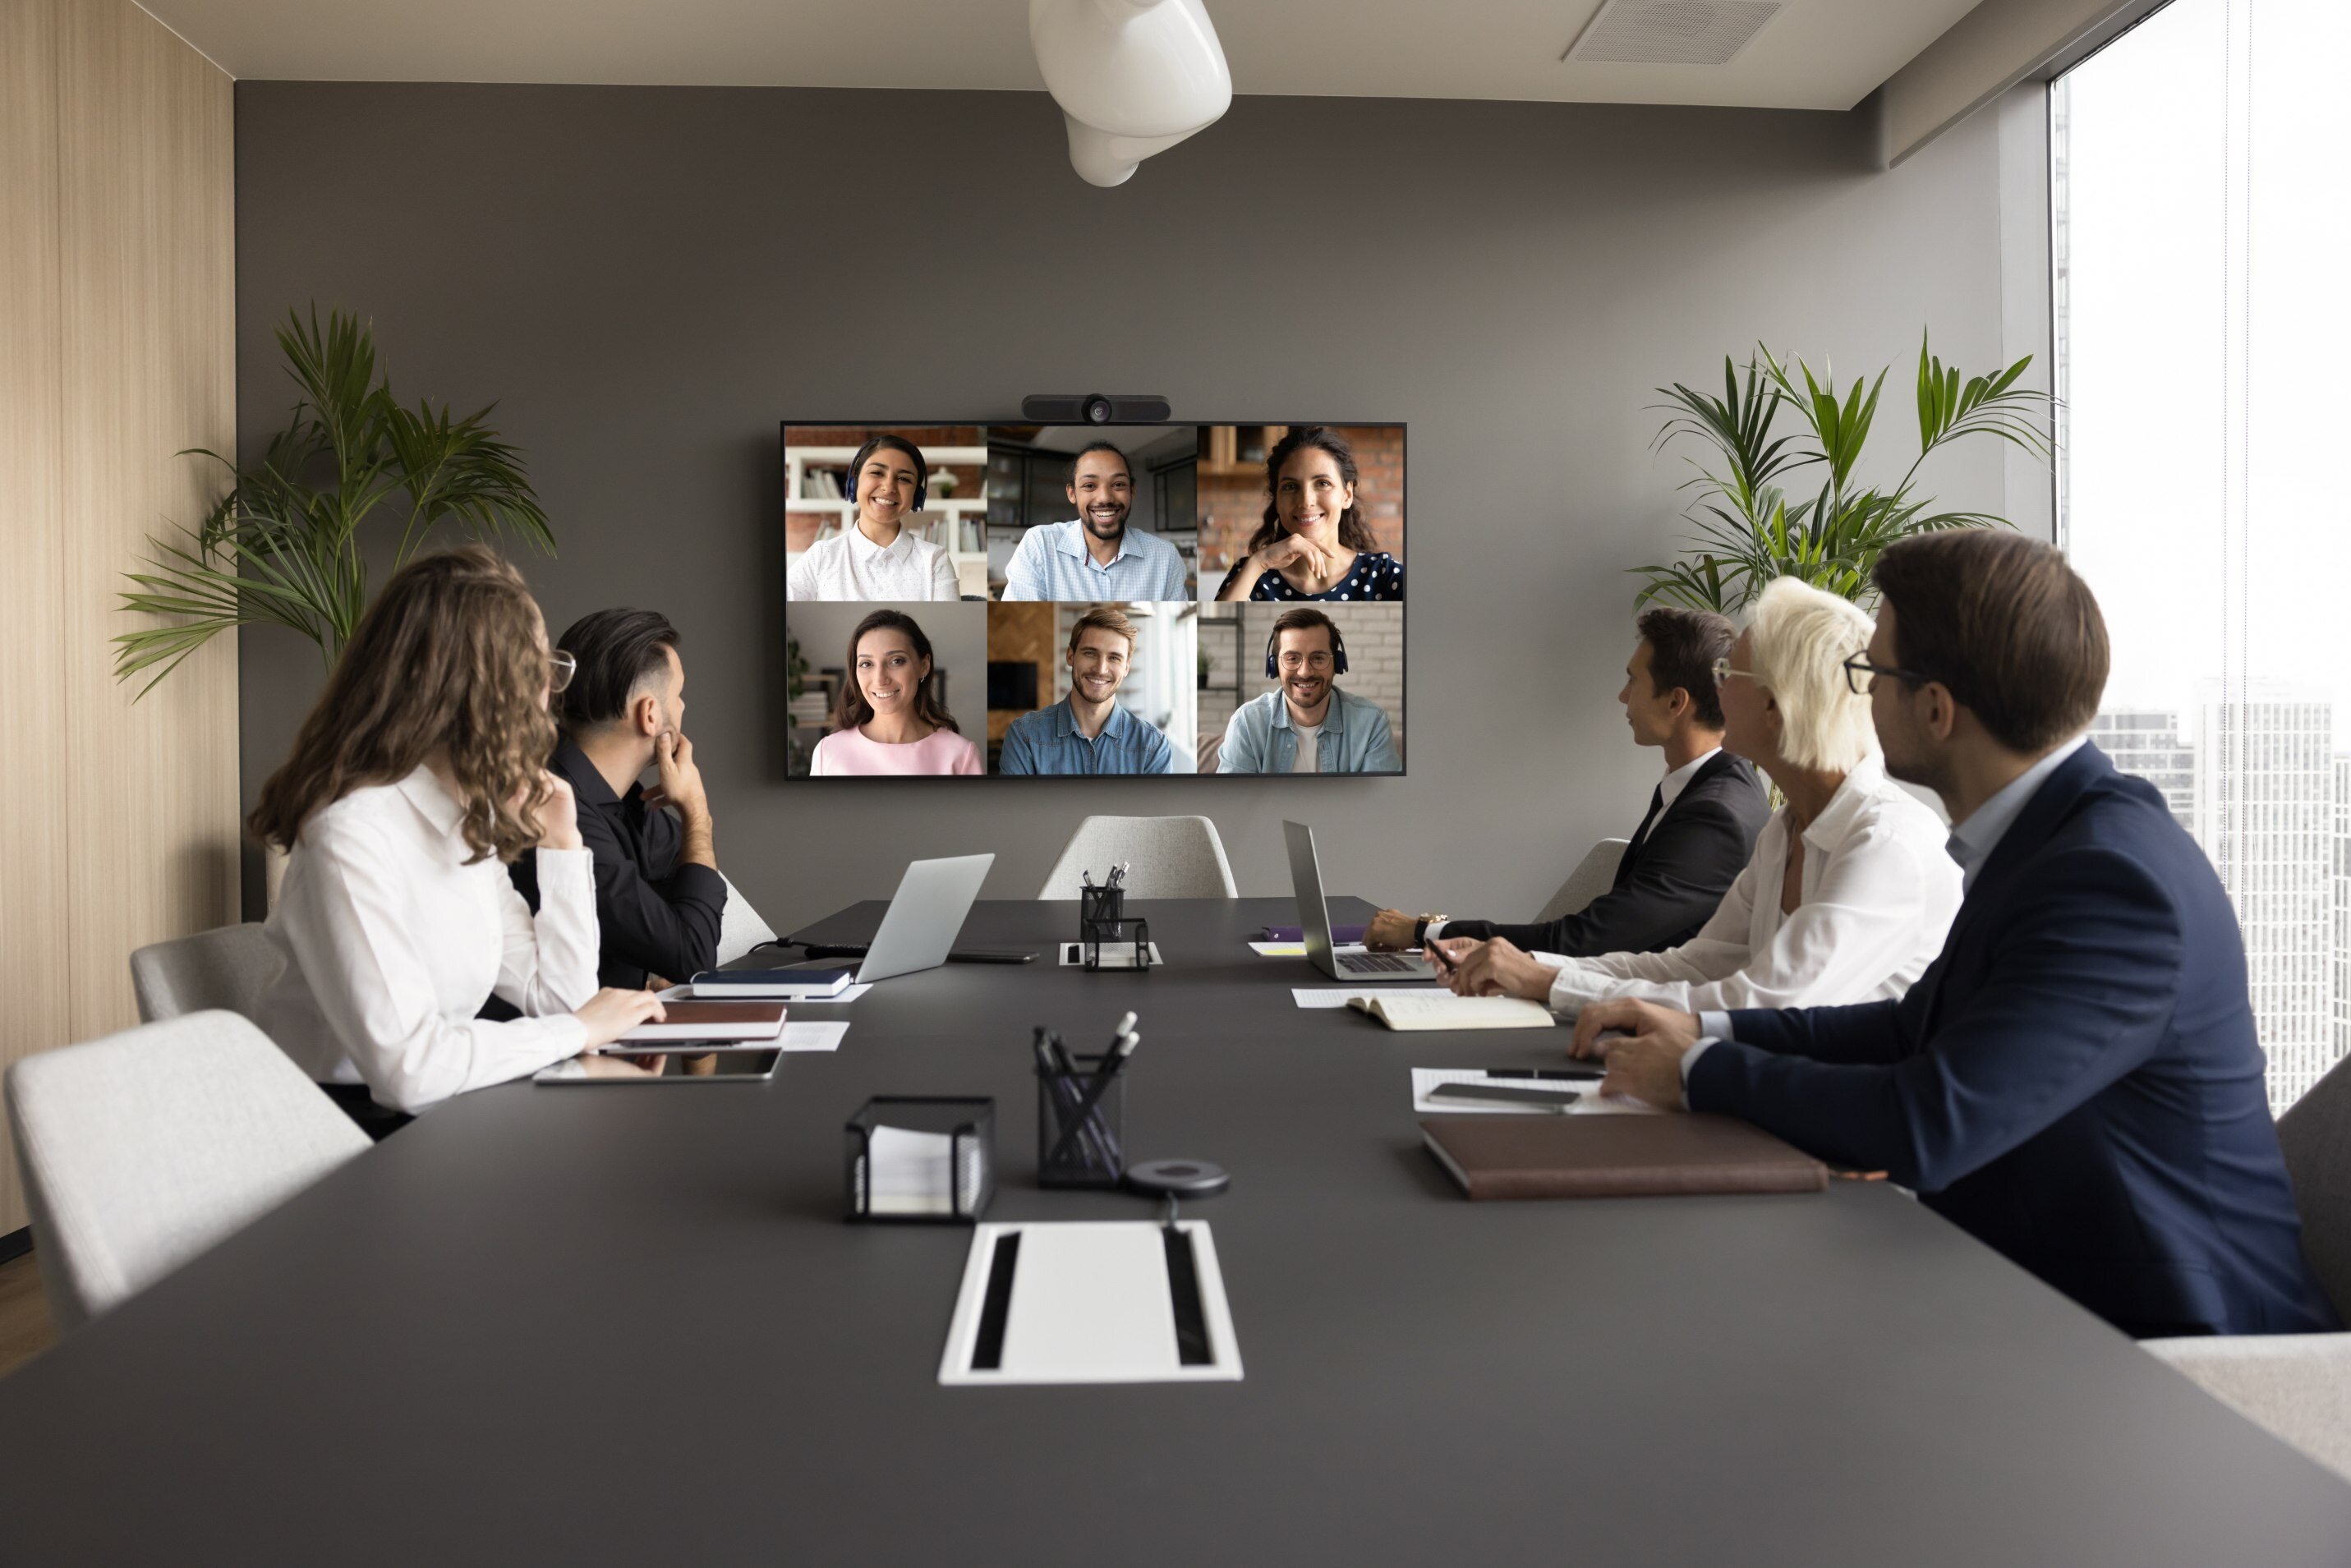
(1025, 599)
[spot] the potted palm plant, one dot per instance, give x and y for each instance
(1749, 528)
(282, 546)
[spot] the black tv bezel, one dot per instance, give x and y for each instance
(1031, 781)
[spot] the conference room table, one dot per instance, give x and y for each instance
(628, 1325)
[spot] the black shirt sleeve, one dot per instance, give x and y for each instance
(666, 926)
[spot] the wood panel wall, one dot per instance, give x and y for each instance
(116, 351)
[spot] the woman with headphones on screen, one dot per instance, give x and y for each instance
(877, 556)
(1313, 543)
(889, 720)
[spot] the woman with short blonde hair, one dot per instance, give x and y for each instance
(1849, 894)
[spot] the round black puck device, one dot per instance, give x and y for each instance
(1179, 1178)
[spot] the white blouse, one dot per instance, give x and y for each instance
(392, 943)
(1879, 893)
(849, 566)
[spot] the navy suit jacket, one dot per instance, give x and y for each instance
(2076, 1081)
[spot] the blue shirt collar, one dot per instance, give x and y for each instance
(1334, 722)
(1065, 722)
(1972, 842)
(1071, 541)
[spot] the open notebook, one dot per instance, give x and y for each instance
(1441, 1009)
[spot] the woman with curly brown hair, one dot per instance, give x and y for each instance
(417, 777)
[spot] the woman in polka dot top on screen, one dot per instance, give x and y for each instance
(1313, 543)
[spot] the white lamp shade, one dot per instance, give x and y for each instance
(1133, 77)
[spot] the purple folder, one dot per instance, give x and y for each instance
(1341, 935)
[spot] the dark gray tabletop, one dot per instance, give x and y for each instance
(629, 1326)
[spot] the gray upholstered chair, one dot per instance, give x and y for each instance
(2297, 1385)
(229, 968)
(740, 929)
(144, 1148)
(1592, 877)
(1167, 857)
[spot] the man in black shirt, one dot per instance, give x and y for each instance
(659, 895)
(1700, 828)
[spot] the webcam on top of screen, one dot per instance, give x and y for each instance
(1094, 408)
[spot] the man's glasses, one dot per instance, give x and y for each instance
(560, 667)
(1861, 676)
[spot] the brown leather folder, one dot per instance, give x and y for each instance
(1616, 1156)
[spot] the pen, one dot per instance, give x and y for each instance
(1102, 1079)
(1579, 1072)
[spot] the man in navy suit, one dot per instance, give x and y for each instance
(2076, 1081)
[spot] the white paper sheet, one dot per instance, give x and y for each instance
(849, 994)
(1425, 1079)
(1323, 996)
(1089, 1305)
(813, 1034)
(1279, 949)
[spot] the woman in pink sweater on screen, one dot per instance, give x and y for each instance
(889, 720)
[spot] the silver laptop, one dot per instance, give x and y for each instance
(1314, 920)
(925, 914)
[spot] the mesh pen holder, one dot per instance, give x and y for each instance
(1099, 907)
(1117, 945)
(1074, 1151)
(936, 1160)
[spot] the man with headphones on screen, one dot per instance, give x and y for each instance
(877, 556)
(1307, 724)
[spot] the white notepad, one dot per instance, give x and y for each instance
(1443, 1010)
(1089, 1303)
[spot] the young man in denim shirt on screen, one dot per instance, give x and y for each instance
(1308, 725)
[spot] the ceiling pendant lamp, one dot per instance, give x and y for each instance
(1133, 77)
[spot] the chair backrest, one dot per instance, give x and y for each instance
(1588, 880)
(1167, 857)
(229, 968)
(2315, 1132)
(144, 1148)
(740, 929)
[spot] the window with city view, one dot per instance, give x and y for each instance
(2202, 220)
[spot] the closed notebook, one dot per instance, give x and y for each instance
(1616, 1156)
(1443, 1010)
(713, 1020)
(792, 985)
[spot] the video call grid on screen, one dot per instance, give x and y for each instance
(1033, 607)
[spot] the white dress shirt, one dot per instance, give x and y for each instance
(1879, 896)
(392, 943)
(850, 566)
(1670, 788)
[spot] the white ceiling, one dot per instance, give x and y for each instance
(1815, 54)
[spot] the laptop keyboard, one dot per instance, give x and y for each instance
(1379, 963)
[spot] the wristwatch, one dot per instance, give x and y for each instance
(1420, 929)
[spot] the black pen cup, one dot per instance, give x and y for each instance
(1099, 908)
(1078, 1147)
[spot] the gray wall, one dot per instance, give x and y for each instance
(648, 279)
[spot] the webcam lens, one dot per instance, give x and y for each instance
(1098, 410)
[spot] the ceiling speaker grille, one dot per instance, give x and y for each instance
(1670, 31)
